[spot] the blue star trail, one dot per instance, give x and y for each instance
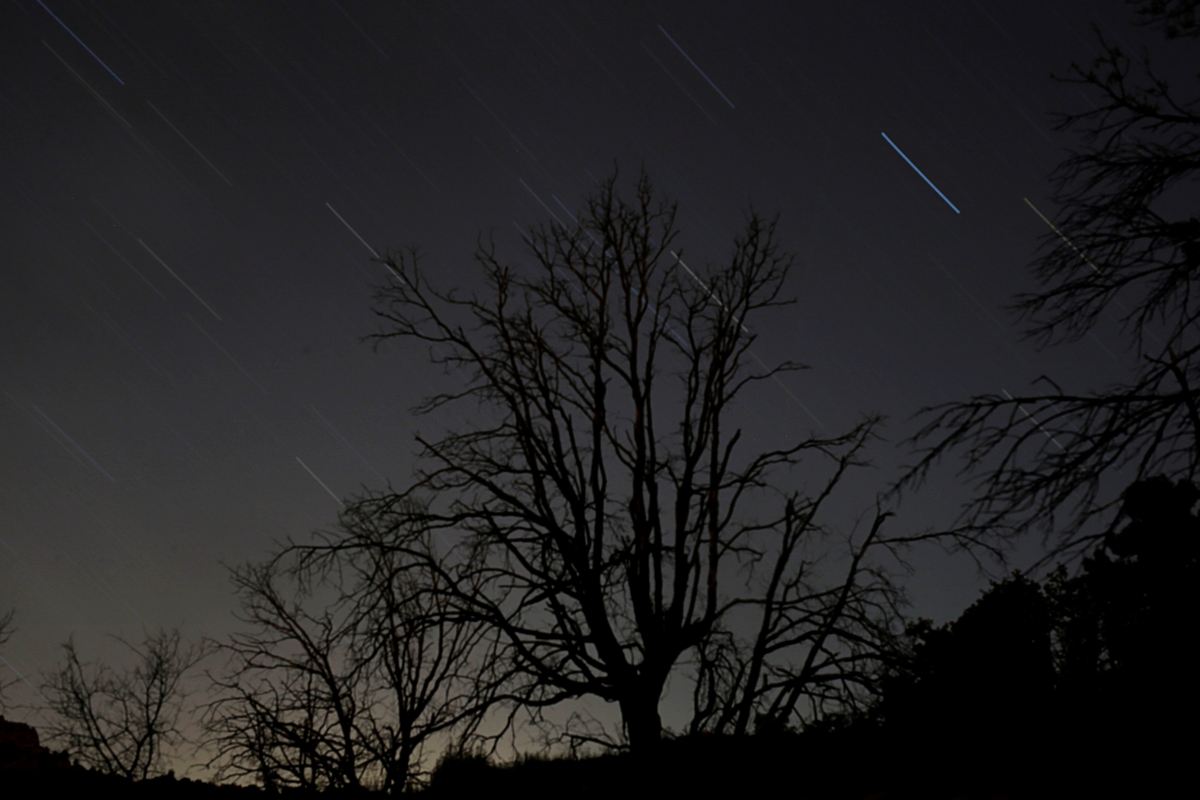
(85, 47)
(922, 174)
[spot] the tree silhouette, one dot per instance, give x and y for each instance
(602, 511)
(1084, 676)
(350, 695)
(981, 679)
(7, 629)
(1121, 620)
(288, 701)
(121, 723)
(1118, 247)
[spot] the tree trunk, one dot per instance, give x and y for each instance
(643, 725)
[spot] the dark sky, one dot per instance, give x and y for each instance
(182, 380)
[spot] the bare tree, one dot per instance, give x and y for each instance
(601, 513)
(122, 723)
(435, 666)
(288, 707)
(7, 629)
(351, 694)
(1118, 246)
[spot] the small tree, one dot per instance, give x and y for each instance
(350, 693)
(122, 723)
(288, 702)
(7, 629)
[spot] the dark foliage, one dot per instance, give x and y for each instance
(983, 676)
(27, 767)
(1089, 670)
(1078, 686)
(1086, 672)
(1126, 622)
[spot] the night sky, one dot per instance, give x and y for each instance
(185, 290)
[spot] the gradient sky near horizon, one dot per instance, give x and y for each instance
(192, 191)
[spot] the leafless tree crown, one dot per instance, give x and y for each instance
(602, 511)
(122, 722)
(352, 664)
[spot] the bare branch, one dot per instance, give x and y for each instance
(122, 723)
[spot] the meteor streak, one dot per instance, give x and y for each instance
(1033, 419)
(88, 86)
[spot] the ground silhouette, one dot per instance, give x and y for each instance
(1072, 686)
